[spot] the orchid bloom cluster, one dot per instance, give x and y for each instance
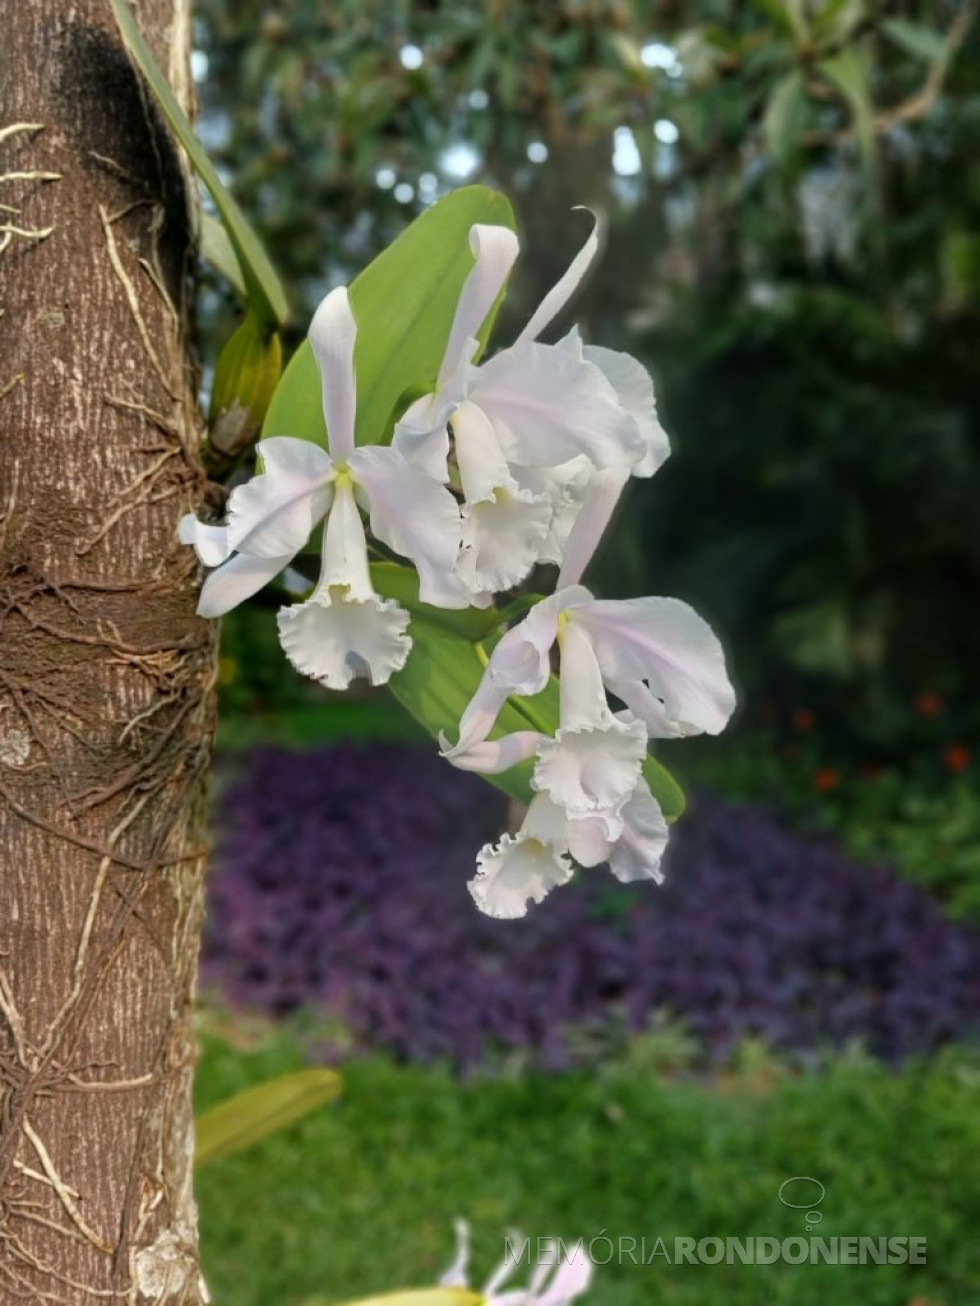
(558, 1279)
(506, 464)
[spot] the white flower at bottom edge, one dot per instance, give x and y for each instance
(525, 867)
(344, 629)
(558, 1279)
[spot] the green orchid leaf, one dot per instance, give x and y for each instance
(217, 249)
(393, 581)
(404, 302)
(441, 676)
(266, 297)
(665, 789)
(248, 371)
(258, 1112)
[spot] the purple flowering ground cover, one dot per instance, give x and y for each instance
(340, 882)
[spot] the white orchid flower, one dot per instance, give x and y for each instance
(344, 629)
(524, 868)
(655, 654)
(532, 406)
(557, 1279)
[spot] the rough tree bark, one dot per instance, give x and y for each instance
(106, 675)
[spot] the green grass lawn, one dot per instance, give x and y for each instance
(360, 1197)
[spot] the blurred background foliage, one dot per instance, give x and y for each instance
(791, 193)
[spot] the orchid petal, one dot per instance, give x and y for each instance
(591, 771)
(503, 538)
(559, 295)
(590, 523)
(565, 485)
(415, 516)
(634, 386)
(583, 704)
(210, 542)
(571, 1278)
(345, 556)
(504, 526)
(456, 1275)
(272, 514)
(589, 840)
(543, 1269)
(333, 333)
(495, 250)
(519, 664)
(480, 714)
(664, 642)
(422, 436)
(334, 639)
(643, 703)
(491, 756)
(638, 852)
(546, 406)
(237, 580)
(482, 465)
(513, 873)
(503, 1271)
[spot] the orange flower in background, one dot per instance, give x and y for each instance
(957, 758)
(928, 704)
(826, 780)
(803, 720)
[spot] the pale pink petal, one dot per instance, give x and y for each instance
(492, 756)
(664, 643)
(634, 386)
(639, 850)
(546, 406)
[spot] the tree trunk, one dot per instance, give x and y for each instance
(106, 675)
